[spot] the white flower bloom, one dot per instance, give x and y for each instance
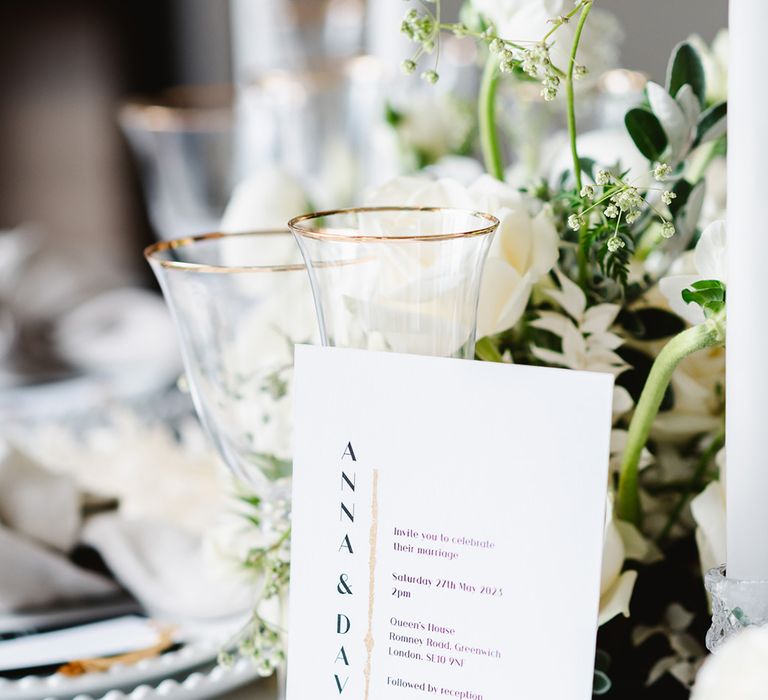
(587, 342)
(434, 124)
(524, 249)
(708, 509)
(698, 405)
(661, 171)
(527, 21)
(265, 200)
(709, 263)
(687, 651)
(739, 670)
(615, 587)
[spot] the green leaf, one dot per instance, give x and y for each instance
(588, 166)
(683, 190)
(486, 349)
(708, 294)
(271, 466)
(392, 116)
(645, 130)
(712, 124)
(601, 684)
(685, 68)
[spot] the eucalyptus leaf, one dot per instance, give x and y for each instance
(683, 190)
(672, 119)
(587, 166)
(687, 218)
(713, 123)
(685, 68)
(647, 133)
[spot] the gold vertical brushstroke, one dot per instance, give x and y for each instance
(372, 537)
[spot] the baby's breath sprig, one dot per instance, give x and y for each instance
(623, 199)
(513, 56)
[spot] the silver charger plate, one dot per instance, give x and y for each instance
(189, 673)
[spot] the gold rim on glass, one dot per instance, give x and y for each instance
(185, 108)
(151, 253)
(297, 225)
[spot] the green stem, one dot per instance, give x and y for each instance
(489, 137)
(571, 99)
(695, 482)
(706, 335)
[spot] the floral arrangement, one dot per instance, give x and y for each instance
(609, 268)
(612, 263)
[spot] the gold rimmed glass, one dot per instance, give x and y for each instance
(400, 279)
(184, 143)
(240, 302)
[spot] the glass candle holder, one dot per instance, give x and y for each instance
(736, 605)
(240, 302)
(397, 279)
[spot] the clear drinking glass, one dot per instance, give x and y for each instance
(240, 302)
(399, 279)
(184, 144)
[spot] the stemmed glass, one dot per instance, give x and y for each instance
(396, 278)
(239, 303)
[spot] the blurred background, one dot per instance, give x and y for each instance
(125, 122)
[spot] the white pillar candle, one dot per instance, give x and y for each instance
(747, 341)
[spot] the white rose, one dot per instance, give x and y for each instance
(526, 21)
(739, 670)
(268, 199)
(434, 124)
(708, 263)
(524, 249)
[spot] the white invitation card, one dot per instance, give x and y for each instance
(447, 528)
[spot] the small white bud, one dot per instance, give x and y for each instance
(603, 177)
(660, 171)
(667, 230)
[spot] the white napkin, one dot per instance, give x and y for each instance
(165, 569)
(39, 524)
(161, 564)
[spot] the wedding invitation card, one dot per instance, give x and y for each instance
(447, 528)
